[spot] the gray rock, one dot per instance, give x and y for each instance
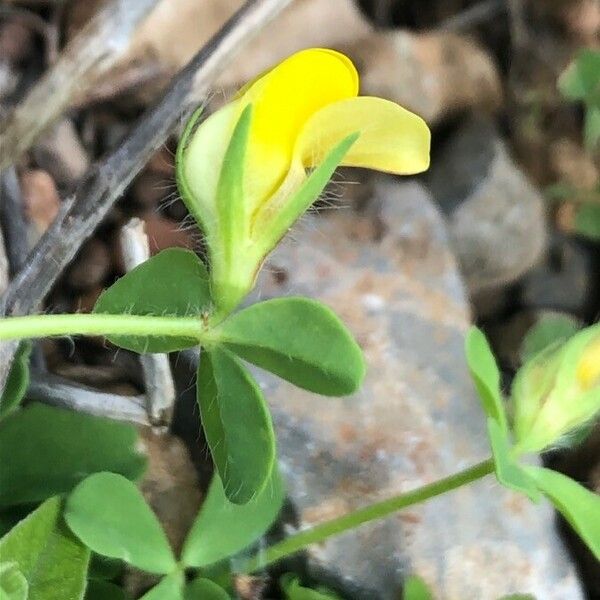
(565, 280)
(496, 217)
(508, 334)
(435, 73)
(389, 274)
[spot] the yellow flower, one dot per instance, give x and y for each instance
(588, 369)
(303, 114)
(557, 391)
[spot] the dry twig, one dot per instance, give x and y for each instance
(92, 52)
(160, 388)
(56, 391)
(12, 219)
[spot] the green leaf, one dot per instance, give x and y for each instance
(231, 208)
(52, 560)
(416, 589)
(172, 283)
(170, 588)
(486, 376)
(26, 541)
(109, 514)
(508, 472)
(220, 572)
(579, 506)
(237, 425)
(62, 576)
(104, 590)
(581, 80)
(51, 450)
(591, 126)
(300, 340)
(307, 195)
(223, 529)
(587, 221)
(548, 331)
(17, 381)
(290, 583)
(204, 589)
(13, 585)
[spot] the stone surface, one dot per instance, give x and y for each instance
(170, 486)
(60, 152)
(388, 272)
(496, 217)
(91, 267)
(16, 41)
(41, 199)
(305, 23)
(571, 164)
(433, 74)
(580, 19)
(506, 335)
(566, 279)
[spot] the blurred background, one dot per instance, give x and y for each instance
(503, 231)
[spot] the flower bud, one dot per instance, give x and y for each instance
(557, 392)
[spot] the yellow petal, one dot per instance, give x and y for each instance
(588, 370)
(283, 100)
(392, 139)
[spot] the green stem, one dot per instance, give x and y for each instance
(37, 326)
(328, 529)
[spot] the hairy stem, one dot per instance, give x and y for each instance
(373, 512)
(37, 326)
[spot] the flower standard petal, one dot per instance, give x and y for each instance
(392, 139)
(284, 99)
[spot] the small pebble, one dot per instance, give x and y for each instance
(91, 267)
